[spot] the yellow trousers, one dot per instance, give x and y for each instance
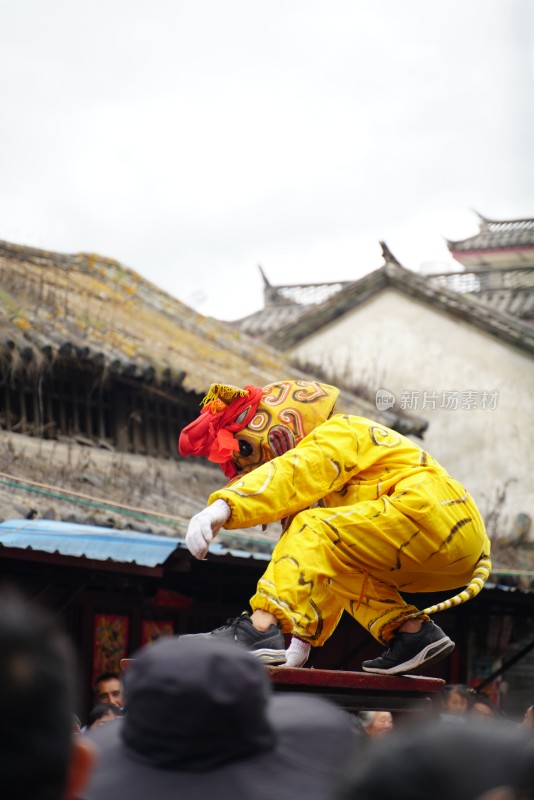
(427, 536)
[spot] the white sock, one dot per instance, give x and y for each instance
(297, 653)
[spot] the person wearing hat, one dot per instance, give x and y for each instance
(366, 514)
(203, 721)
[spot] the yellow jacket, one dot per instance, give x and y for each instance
(345, 460)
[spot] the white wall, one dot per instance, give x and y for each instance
(400, 344)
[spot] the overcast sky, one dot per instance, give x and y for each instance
(192, 140)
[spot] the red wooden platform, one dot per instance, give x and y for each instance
(356, 691)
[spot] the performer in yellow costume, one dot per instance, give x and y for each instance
(366, 514)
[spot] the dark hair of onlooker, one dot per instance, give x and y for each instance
(37, 697)
(456, 698)
(101, 710)
(105, 676)
(480, 699)
(458, 688)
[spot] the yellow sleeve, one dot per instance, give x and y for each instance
(323, 462)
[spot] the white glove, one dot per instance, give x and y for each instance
(297, 653)
(204, 526)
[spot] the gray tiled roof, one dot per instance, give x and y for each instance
(497, 234)
(270, 318)
(508, 290)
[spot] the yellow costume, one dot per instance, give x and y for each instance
(367, 513)
(388, 518)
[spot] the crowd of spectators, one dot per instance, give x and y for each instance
(193, 718)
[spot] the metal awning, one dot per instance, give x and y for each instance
(88, 541)
(97, 543)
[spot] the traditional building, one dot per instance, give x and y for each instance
(498, 269)
(498, 265)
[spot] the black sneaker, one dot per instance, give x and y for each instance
(409, 651)
(269, 646)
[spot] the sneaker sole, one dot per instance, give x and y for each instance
(429, 655)
(267, 656)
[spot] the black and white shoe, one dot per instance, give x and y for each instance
(410, 651)
(269, 646)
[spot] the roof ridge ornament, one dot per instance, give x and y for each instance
(266, 283)
(483, 221)
(388, 256)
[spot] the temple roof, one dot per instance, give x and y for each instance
(514, 235)
(498, 233)
(509, 290)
